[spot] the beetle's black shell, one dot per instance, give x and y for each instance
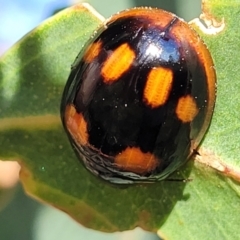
(116, 114)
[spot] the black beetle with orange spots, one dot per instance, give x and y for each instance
(140, 97)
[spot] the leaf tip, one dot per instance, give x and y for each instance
(89, 8)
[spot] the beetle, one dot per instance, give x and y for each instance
(140, 96)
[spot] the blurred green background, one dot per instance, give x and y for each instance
(23, 218)
(187, 9)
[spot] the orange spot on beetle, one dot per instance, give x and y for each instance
(76, 125)
(92, 52)
(186, 109)
(132, 159)
(158, 86)
(117, 63)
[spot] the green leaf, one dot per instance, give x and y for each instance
(32, 77)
